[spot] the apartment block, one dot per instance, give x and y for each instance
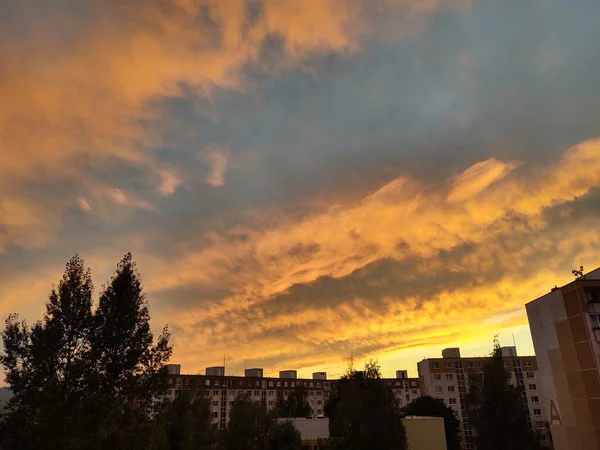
(565, 327)
(447, 378)
(222, 389)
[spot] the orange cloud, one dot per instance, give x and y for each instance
(68, 107)
(403, 220)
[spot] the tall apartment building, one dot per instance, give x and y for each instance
(565, 327)
(447, 378)
(222, 389)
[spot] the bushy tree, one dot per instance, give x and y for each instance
(186, 423)
(250, 425)
(285, 436)
(435, 407)
(84, 378)
(364, 413)
(295, 405)
(494, 410)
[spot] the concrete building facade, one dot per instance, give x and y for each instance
(446, 378)
(222, 389)
(565, 327)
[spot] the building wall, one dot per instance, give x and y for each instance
(447, 379)
(425, 433)
(222, 390)
(567, 348)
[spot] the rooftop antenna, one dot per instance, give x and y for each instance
(514, 342)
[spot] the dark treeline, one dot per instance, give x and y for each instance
(92, 376)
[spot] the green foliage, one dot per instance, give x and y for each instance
(285, 436)
(435, 407)
(364, 413)
(494, 410)
(296, 404)
(84, 379)
(250, 425)
(186, 423)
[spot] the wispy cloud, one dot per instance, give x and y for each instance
(169, 183)
(215, 158)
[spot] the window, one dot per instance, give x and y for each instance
(325, 385)
(595, 318)
(470, 365)
(532, 387)
(292, 384)
(319, 384)
(311, 393)
(249, 393)
(506, 364)
(407, 398)
(217, 383)
(413, 384)
(311, 384)
(270, 393)
(215, 403)
(241, 382)
(480, 364)
(397, 383)
(449, 376)
(530, 375)
(285, 384)
(319, 393)
(319, 402)
(435, 365)
(230, 403)
(279, 384)
(414, 392)
(285, 393)
(312, 402)
(535, 399)
(439, 390)
(270, 384)
(528, 363)
(537, 412)
(539, 424)
(215, 392)
(452, 401)
(437, 377)
(271, 402)
(319, 411)
(215, 415)
(207, 382)
(448, 365)
(256, 392)
(450, 388)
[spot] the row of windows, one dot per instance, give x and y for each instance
(270, 393)
(450, 377)
(215, 414)
(256, 383)
(480, 364)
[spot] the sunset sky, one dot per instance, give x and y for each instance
(299, 180)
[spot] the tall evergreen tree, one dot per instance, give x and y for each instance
(435, 407)
(128, 365)
(47, 366)
(84, 379)
(494, 410)
(364, 413)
